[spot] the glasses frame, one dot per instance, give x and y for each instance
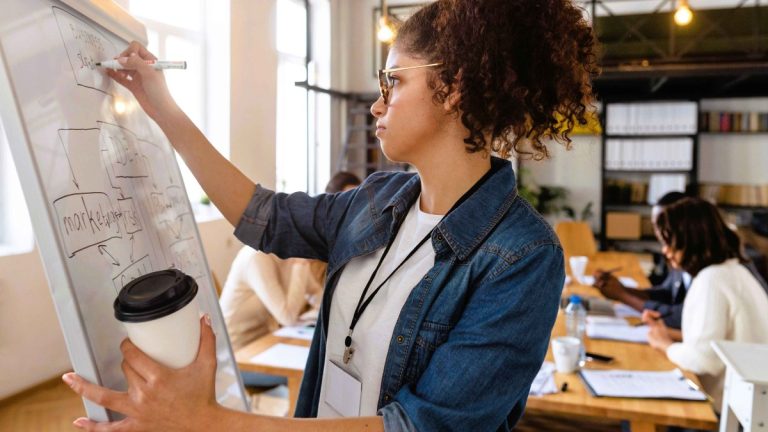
(385, 84)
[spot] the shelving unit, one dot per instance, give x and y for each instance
(361, 152)
(739, 196)
(643, 142)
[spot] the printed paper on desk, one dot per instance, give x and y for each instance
(639, 384)
(295, 332)
(600, 327)
(623, 311)
(283, 356)
(544, 383)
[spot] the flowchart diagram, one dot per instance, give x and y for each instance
(105, 210)
(101, 180)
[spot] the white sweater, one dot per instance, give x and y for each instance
(724, 302)
(263, 291)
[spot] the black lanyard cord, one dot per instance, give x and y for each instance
(363, 303)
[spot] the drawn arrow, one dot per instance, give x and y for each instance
(148, 167)
(132, 244)
(175, 226)
(103, 250)
(72, 171)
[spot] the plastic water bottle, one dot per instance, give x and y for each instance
(576, 323)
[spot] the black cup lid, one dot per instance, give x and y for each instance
(154, 295)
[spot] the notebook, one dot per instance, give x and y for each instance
(640, 384)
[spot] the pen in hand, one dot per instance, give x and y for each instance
(156, 64)
(609, 272)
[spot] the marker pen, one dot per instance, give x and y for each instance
(157, 64)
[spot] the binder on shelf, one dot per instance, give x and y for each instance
(660, 184)
(656, 118)
(650, 154)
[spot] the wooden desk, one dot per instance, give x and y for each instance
(644, 415)
(629, 263)
(244, 355)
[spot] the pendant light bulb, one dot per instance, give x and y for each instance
(385, 33)
(683, 14)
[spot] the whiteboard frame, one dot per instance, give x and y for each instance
(115, 19)
(46, 239)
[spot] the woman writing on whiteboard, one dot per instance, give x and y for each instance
(442, 285)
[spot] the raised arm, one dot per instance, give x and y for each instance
(228, 188)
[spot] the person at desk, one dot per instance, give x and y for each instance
(263, 292)
(668, 297)
(724, 301)
(443, 285)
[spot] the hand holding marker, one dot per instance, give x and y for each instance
(156, 64)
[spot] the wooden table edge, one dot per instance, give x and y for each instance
(538, 404)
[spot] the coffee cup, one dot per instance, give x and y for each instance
(566, 351)
(578, 268)
(161, 315)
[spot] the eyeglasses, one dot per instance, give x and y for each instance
(385, 79)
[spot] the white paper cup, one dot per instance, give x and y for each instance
(578, 267)
(160, 312)
(566, 351)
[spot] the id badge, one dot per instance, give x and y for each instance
(343, 392)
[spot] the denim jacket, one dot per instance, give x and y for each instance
(472, 333)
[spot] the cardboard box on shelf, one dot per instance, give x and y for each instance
(623, 225)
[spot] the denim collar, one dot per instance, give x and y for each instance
(467, 226)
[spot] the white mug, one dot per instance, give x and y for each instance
(578, 268)
(566, 351)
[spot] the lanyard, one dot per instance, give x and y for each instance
(363, 303)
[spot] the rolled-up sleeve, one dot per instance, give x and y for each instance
(395, 419)
(254, 220)
(484, 370)
(293, 225)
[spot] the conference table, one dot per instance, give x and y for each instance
(644, 415)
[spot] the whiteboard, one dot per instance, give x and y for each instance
(102, 185)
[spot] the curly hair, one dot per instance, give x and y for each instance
(696, 228)
(522, 68)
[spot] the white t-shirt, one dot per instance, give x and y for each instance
(373, 331)
(724, 302)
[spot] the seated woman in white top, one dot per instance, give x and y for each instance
(264, 292)
(724, 301)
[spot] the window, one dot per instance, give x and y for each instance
(191, 30)
(291, 136)
(15, 225)
(303, 118)
(320, 104)
(195, 31)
